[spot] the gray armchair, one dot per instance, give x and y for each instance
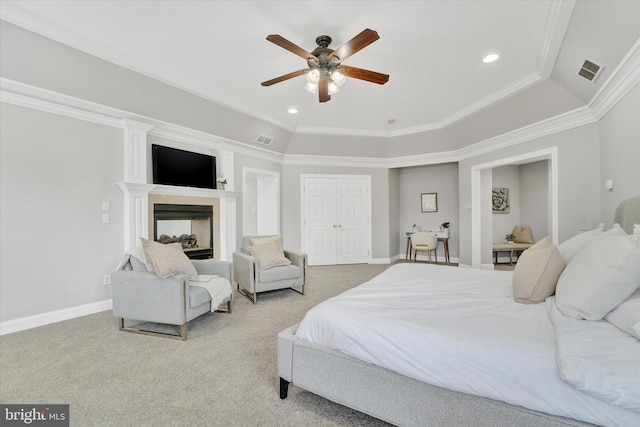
(143, 296)
(251, 280)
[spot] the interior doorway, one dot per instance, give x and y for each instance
(481, 202)
(261, 202)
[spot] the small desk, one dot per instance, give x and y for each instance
(442, 236)
(511, 248)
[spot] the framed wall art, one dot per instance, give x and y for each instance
(429, 202)
(500, 200)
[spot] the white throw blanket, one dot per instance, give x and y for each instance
(218, 287)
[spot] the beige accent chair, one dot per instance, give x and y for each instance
(424, 242)
(252, 279)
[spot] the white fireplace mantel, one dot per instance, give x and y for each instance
(136, 209)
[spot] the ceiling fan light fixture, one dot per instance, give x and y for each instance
(337, 76)
(311, 87)
(313, 76)
(333, 88)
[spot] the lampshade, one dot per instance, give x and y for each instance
(333, 88)
(338, 77)
(311, 87)
(313, 76)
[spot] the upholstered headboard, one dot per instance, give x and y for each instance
(628, 213)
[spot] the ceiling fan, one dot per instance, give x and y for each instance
(326, 73)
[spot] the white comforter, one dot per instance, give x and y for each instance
(459, 329)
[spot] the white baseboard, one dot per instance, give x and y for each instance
(50, 317)
(380, 261)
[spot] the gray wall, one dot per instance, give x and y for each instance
(620, 153)
(291, 204)
(55, 172)
(534, 198)
(412, 182)
(41, 62)
(578, 182)
(503, 223)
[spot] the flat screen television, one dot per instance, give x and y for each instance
(172, 166)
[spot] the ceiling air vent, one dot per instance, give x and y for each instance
(264, 139)
(589, 70)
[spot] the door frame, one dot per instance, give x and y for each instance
(481, 206)
(267, 200)
(367, 207)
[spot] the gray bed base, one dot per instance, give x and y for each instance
(392, 397)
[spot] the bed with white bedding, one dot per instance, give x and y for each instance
(428, 344)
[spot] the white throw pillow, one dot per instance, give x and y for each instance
(599, 277)
(537, 272)
(168, 260)
(626, 316)
(570, 247)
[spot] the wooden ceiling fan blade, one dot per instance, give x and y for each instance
(359, 42)
(291, 47)
(285, 77)
(323, 90)
(370, 76)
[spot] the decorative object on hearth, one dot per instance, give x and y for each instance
(326, 74)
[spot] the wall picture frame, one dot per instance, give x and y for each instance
(429, 202)
(500, 200)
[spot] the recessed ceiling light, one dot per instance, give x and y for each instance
(490, 58)
(293, 110)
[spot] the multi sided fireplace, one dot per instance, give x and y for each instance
(189, 225)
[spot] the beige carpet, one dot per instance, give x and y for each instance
(223, 375)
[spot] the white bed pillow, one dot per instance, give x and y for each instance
(626, 316)
(570, 247)
(537, 272)
(599, 277)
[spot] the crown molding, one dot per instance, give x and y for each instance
(423, 159)
(30, 21)
(341, 161)
(565, 121)
(35, 98)
(557, 24)
(557, 21)
(623, 78)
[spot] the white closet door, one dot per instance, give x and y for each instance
(352, 221)
(336, 220)
(320, 221)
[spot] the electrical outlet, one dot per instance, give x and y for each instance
(106, 279)
(106, 218)
(106, 206)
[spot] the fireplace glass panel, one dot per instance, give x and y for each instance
(173, 222)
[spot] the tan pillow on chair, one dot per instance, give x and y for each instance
(269, 254)
(168, 260)
(523, 235)
(537, 272)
